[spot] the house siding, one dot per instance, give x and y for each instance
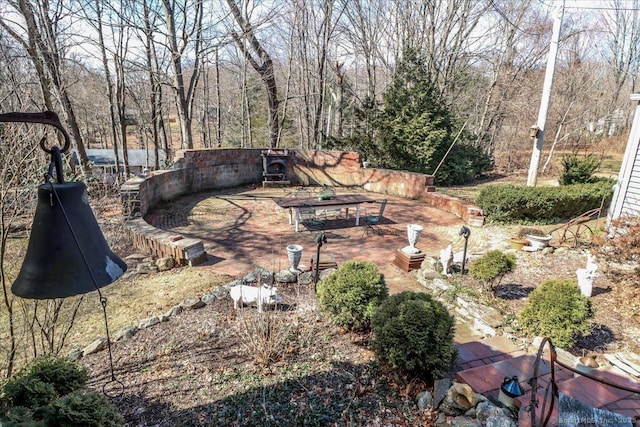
(626, 197)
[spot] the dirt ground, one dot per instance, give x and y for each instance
(203, 368)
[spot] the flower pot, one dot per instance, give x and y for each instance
(413, 235)
(517, 243)
(294, 254)
(538, 242)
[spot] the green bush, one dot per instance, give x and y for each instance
(414, 334)
(47, 392)
(515, 203)
(491, 266)
(20, 416)
(64, 374)
(352, 293)
(578, 169)
(27, 391)
(82, 409)
(557, 310)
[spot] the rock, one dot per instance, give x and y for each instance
(146, 268)
(209, 298)
(440, 388)
(500, 422)
(285, 276)
(96, 346)
(137, 257)
(174, 311)
(147, 323)
(459, 399)
(480, 326)
(125, 333)
(221, 292)
(440, 284)
(192, 303)
(266, 277)
(252, 277)
(75, 354)
(489, 315)
(306, 278)
(326, 273)
(425, 400)
(166, 263)
(441, 419)
(234, 283)
(464, 422)
(486, 410)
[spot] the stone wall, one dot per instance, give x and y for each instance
(344, 169)
(201, 170)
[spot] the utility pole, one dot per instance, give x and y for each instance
(538, 129)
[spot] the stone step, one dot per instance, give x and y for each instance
(485, 351)
(489, 378)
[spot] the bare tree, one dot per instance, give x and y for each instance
(183, 22)
(261, 62)
(39, 36)
(622, 26)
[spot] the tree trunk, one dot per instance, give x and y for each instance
(263, 65)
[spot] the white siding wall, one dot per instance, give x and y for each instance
(626, 197)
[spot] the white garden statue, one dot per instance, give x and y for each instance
(587, 275)
(446, 259)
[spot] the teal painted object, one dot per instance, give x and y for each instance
(511, 387)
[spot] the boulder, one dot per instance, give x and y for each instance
(125, 333)
(192, 303)
(96, 346)
(425, 400)
(166, 263)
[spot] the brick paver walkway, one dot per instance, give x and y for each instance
(243, 228)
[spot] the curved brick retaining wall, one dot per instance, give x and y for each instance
(200, 170)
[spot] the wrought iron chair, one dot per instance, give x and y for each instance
(309, 218)
(372, 221)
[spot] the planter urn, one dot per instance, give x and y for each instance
(294, 254)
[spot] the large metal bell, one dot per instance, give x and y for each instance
(65, 239)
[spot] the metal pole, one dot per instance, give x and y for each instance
(464, 232)
(322, 238)
(546, 96)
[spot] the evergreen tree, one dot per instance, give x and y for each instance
(414, 130)
(415, 126)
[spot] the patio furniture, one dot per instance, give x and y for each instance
(371, 222)
(298, 205)
(308, 216)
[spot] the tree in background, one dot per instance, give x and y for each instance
(415, 130)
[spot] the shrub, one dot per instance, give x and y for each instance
(491, 266)
(20, 416)
(82, 409)
(578, 169)
(557, 310)
(531, 231)
(414, 334)
(47, 392)
(352, 293)
(515, 203)
(64, 374)
(28, 391)
(266, 337)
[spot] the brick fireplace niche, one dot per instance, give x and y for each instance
(274, 167)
